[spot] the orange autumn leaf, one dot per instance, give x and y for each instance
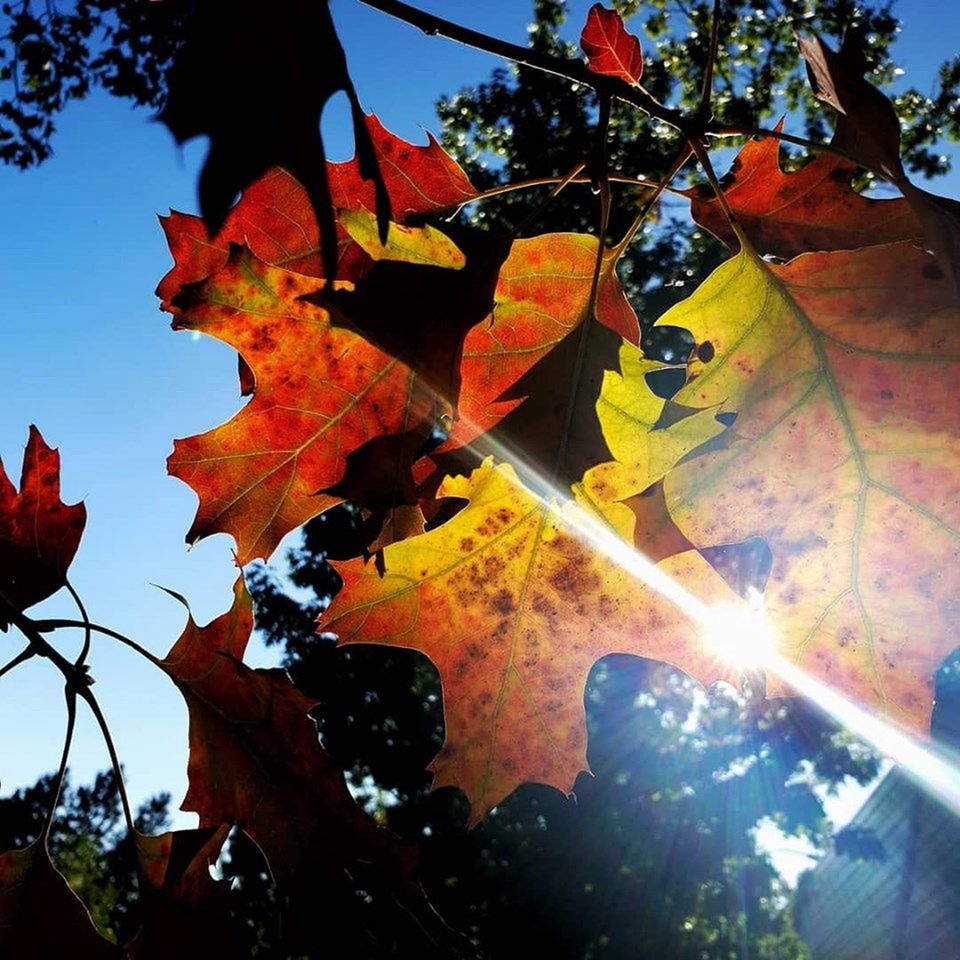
(541, 297)
(514, 607)
(843, 370)
(39, 533)
(275, 219)
(321, 392)
(611, 50)
(813, 208)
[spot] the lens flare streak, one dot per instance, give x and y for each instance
(741, 635)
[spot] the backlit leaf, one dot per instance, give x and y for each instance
(275, 220)
(514, 607)
(39, 533)
(256, 761)
(843, 370)
(610, 48)
(813, 208)
(321, 392)
(40, 916)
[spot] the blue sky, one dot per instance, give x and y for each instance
(87, 357)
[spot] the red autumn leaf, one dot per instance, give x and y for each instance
(321, 393)
(868, 130)
(813, 208)
(256, 86)
(275, 220)
(256, 761)
(184, 911)
(40, 916)
(39, 533)
(610, 49)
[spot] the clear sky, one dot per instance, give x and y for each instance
(86, 356)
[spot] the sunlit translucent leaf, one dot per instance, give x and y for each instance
(611, 50)
(39, 533)
(813, 208)
(843, 370)
(514, 608)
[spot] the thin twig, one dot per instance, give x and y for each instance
(703, 110)
(601, 183)
(21, 657)
(682, 157)
(48, 626)
(530, 217)
(85, 650)
(580, 178)
(94, 706)
(39, 645)
(704, 157)
(71, 696)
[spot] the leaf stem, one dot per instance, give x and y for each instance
(48, 626)
(94, 706)
(21, 657)
(70, 694)
(704, 157)
(703, 110)
(85, 650)
(533, 214)
(579, 178)
(682, 157)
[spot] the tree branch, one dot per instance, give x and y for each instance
(574, 70)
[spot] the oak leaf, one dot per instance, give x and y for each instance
(868, 131)
(184, 912)
(611, 50)
(843, 370)
(321, 392)
(275, 220)
(40, 916)
(39, 533)
(813, 208)
(541, 297)
(514, 605)
(647, 436)
(257, 86)
(256, 761)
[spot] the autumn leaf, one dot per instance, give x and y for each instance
(40, 916)
(647, 436)
(256, 86)
(39, 533)
(424, 245)
(321, 392)
(541, 297)
(843, 370)
(275, 220)
(184, 911)
(256, 761)
(610, 49)
(868, 131)
(514, 607)
(813, 208)
(867, 125)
